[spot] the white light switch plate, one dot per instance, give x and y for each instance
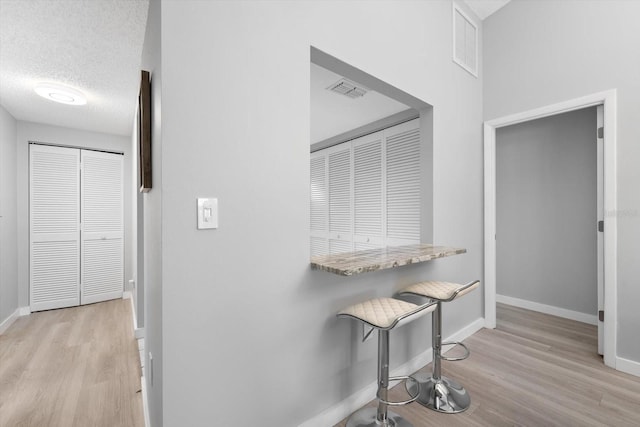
(207, 213)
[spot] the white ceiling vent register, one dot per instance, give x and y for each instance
(348, 88)
(465, 41)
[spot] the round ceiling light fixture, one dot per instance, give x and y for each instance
(59, 93)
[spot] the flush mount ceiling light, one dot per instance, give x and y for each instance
(59, 93)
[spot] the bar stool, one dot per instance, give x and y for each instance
(384, 314)
(436, 391)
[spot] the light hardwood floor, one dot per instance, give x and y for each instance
(534, 370)
(71, 367)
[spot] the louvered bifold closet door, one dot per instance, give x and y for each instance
(102, 227)
(340, 199)
(403, 183)
(368, 197)
(319, 205)
(54, 211)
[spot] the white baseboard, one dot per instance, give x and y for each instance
(20, 311)
(341, 410)
(141, 354)
(139, 335)
(591, 319)
(137, 332)
(628, 366)
(9, 321)
(145, 406)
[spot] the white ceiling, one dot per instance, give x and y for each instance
(333, 114)
(94, 46)
(485, 8)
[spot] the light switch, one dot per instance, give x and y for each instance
(207, 213)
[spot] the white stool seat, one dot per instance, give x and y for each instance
(443, 291)
(436, 391)
(384, 313)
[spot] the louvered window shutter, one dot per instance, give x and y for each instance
(340, 199)
(368, 172)
(54, 227)
(102, 275)
(403, 183)
(319, 205)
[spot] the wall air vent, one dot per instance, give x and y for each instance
(348, 88)
(465, 41)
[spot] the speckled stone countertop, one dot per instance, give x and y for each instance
(350, 263)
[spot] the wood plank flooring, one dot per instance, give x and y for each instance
(71, 367)
(534, 370)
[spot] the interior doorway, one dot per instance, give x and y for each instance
(608, 203)
(547, 211)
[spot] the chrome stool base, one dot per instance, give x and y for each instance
(367, 417)
(443, 395)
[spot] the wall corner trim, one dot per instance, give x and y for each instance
(341, 410)
(145, 405)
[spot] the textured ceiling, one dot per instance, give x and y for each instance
(94, 46)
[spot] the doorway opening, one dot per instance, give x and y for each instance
(607, 137)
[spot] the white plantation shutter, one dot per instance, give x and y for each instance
(368, 190)
(403, 184)
(102, 227)
(54, 211)
(340, 199)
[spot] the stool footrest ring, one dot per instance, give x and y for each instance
(455, 359)
(412, 397)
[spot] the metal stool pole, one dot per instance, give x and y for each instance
(436, 333)
(383, 375)
(384, 314)
(438, 392)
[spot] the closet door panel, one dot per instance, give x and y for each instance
(368, 191)
(403, 183)
(340, 198)
(102, 259)
(319, 243)
(54, 221)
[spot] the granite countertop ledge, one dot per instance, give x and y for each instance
(351, 263)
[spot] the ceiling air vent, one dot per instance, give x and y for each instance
(348, 88)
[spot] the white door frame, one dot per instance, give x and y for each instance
(608, 100)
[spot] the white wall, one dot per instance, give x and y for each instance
(8, 216)
(241, 310)
(546, 211)
(137, 228)
(540, 53)
(150, 230)
(36, 132)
